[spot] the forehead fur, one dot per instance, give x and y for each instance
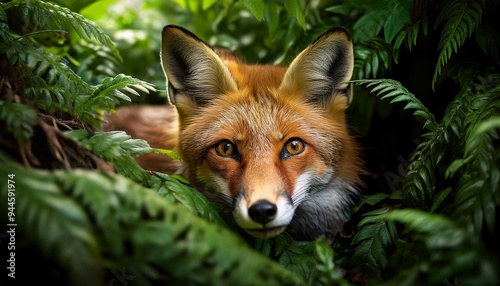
(255, 122)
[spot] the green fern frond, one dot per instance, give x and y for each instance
(420, 181)
(53, 85)
(409, 36)
(369, 25)
(108, 94)
(50, 82)
(51, 219)
(369, 58)
(18, 118)
(119, 148)
(372, 243)
(52, 72)
(399, 16)
(489, 41)
(49, 16)
(485, 128)
(327, 274)
(297, 256)
(94, 62)
(3, 14)
(486, 160)
(453, 251)
(173, 190)
(461, 18)
(102, 217)
(4, 33)
(477, 170)
(312, 260)
(114, 144)
(419, 185)
(389, 16)
(393, 89)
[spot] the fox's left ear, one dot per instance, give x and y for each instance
(320, 71)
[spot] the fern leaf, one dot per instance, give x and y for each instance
(419, 182)
(3, 14)
(475, 138)
(369, 25)
(391, 16)
(172, 190)
(118, 148)
(372, 243)
(455, 254)
(327, 274)
(95, 62)
(50, 219)
(421, 221)
(51, 83)
(410, 35)
(476, 169)
(49, 16)
(399, 15)
(79, 208)
(461, 18)
(19, 119)
(478, 196)
(393, 89)
(110, 92)
(369, 58)
(488, 40)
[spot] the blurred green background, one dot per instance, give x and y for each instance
(428, 214)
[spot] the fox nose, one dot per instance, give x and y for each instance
(262, 211)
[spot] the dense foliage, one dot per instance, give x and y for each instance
(426, 108)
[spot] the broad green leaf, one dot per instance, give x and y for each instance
(256, 7)
(398, 17)
(272, 17)
(293, 7)
(369, 25)
(340, 9)
(205, 4)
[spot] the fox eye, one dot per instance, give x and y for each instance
(226, 148)
(293, 147)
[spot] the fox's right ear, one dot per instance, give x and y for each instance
(194, 71)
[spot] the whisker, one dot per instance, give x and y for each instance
(225, 199)
(298, 197)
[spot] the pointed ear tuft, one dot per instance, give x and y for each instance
(192, 68)
(321, 70)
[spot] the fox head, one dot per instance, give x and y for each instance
(270, 142)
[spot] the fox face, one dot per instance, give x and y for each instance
(270, 142)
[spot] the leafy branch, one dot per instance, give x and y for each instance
(48, 16)
(461, 18)
(168, 242)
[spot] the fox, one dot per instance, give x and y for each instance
(270, 142)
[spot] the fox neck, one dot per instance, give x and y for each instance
(324, 211)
